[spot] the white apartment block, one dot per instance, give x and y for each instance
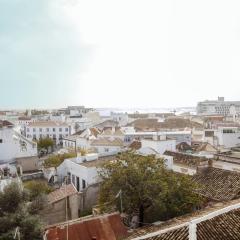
(219, 106)
(14, 145)
(48, 129)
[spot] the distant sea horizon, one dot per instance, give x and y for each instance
(178, 110)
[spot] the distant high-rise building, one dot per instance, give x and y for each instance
(218, 107)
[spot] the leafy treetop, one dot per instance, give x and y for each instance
(147, 188)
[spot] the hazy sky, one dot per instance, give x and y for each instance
(125, 53)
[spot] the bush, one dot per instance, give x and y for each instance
(56, 160)
(14, 213)
(37, 188)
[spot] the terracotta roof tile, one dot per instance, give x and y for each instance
(107, 142)
(225, 226)
(186, 159)
(222, 226)
(135, 145)
(47, 124)
(4, 123)
(218, 184)
(61, 193)
(106, 227)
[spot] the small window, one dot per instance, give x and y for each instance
(66, 129)
(47, 129)
(83, 184)
(106, 149)
(1, 141)
(34, 129)
(53, 129)
(73, 179)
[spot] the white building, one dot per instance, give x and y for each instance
(77, 110)
(112, 133)
(79, 123)
(228, 136)
(179, 136)
(48, 129)
(107, 145)
(83, 170)
(219, 106)
(121, 118)
(81, 139)
(24, 121)
(160, 144)
(14, 145)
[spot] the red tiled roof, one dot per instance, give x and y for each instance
(61, 193)
(47, 124)
(179, 233)
(23, 118)
(135, 145)
(218, 184)
(107, 142)
(106, 227)
(225, 226)
(210, 225)
(4, 123)
(186, 159)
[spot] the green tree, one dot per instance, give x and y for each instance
(37, 188)
(45, 143)
(146, 185)
(14, 213)
(11, 198)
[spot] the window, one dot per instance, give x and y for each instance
(106, 149)
(47, 129)
(54, 136)
(66, 129)
(34, 136)
(40, 129)
(34, 129)
(1, 141)
(28, 129)
(60, 129)
(83, 184)
(68, 177)
(60, 136)
(73, 180)
(54, 129)
(78, 184)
